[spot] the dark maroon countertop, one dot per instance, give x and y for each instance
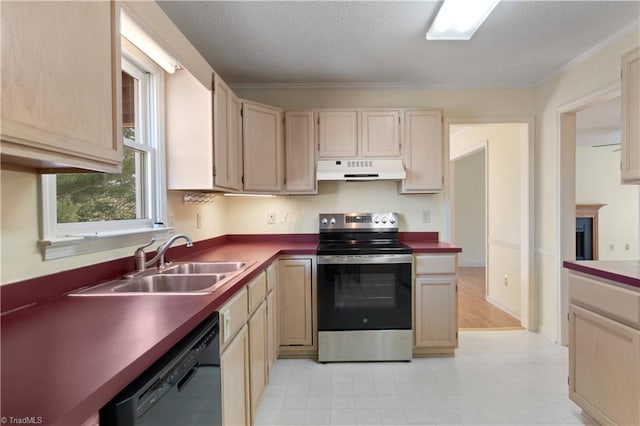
(622, 271)
(64, 357)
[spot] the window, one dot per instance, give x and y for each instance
(87, 212)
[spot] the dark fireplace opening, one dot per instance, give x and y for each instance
(584, 238)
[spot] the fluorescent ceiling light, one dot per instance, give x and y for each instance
(459, 19)
(239, 194)
(132, 32)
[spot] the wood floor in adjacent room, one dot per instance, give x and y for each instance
(473, 309)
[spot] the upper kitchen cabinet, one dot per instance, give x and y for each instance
(227, 139)
(630, 131)
(203, 134)
(422, 152)
(299, 153)
(380, 133)
(262, 148)
(61, 85)
(337, 133)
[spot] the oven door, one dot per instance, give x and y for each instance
(369, 292)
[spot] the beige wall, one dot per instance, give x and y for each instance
(503, 201)
(299, 214)
(598, 182)
(21, 258)
(585, 78)
(469, 211)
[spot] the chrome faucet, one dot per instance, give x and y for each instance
(139, 255)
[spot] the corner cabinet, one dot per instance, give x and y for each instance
(61, 93)
(227, 137)
(435, 304)
(604, 349)
(630, 119)
(299, 153)
(262, 147)
(422, 152)
(203, 130)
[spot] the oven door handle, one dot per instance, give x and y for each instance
(364, 259)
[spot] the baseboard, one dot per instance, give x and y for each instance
(472, 265)
(502, 307)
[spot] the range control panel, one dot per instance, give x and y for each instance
(361, 221)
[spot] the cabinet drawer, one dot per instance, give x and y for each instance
(436, 264)
(257, 291)
(233, 315)
(605, 298)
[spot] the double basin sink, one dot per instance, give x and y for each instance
(186, 278)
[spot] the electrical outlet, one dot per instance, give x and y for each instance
(506, 281)
(426, 216)
(271, 218)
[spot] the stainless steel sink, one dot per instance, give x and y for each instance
(170, 284)
(203, 267)
(180, 278)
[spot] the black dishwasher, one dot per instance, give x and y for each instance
(181, 388)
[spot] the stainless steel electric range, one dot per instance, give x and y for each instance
(364, 289)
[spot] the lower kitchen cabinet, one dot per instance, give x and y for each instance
(604, 350)
(294, 302)
(272, 315)
(435, 304)
(234, 367)
(257, 356)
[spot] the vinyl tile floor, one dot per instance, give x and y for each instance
(496, 377)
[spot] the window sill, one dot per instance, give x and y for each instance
(85, 243)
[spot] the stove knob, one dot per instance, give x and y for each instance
(392, 220)
(376, 219)
(384, 219)
(333, 221)
(325, 221)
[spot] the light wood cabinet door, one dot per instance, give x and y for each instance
(294, 302)
(380, 133)
(337, 133)
(299, 153)
(234, 366)
(604, 367)
(436, 313)
(189, 132)
(422, 152)
(257, 357)
(630, 119)
(262, 148)
(61, 85)
(272, 314)
(272, 329)
(227, 137)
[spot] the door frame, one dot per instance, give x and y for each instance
(528, 299)
(566, 194)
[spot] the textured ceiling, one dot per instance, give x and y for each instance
(383, 43)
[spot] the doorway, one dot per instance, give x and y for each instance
(504, 147)
(617, 240)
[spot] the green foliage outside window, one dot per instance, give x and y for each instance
(91, 197)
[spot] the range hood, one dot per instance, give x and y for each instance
(358, 169)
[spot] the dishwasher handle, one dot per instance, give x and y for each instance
(184, 380)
